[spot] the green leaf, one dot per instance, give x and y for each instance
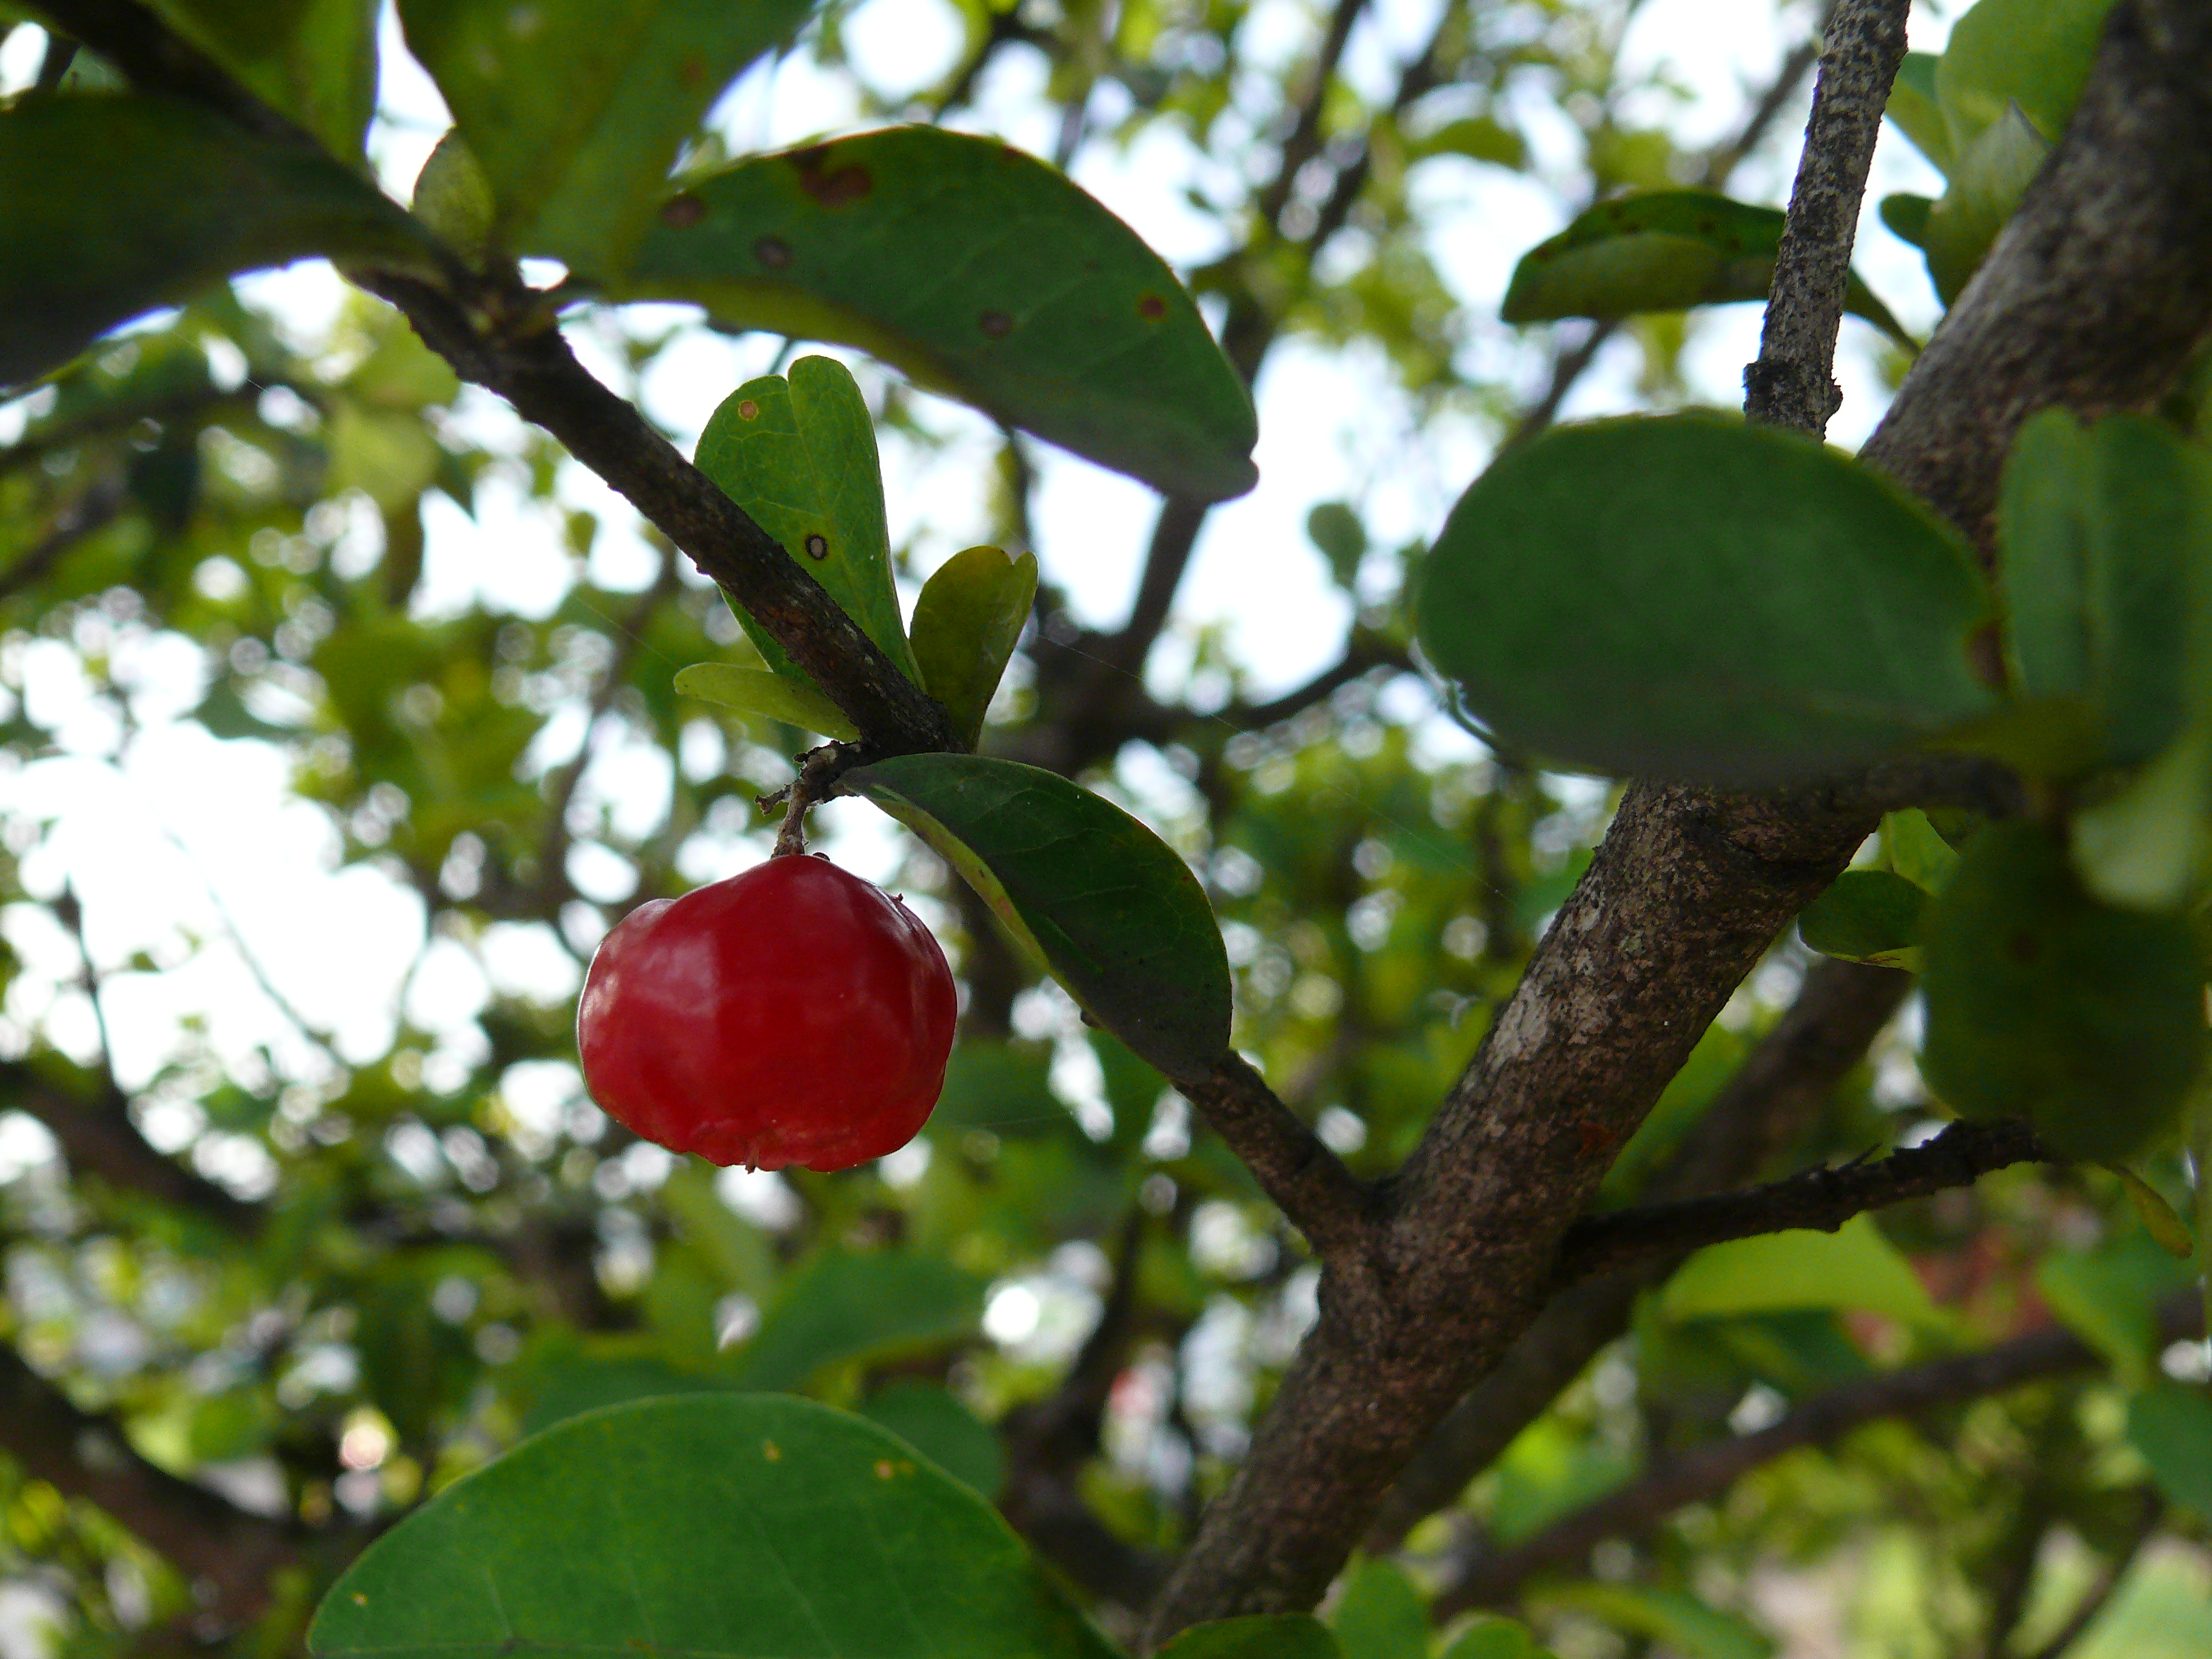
(799, 456)
(116, 205)
(980, 273)
(1336, 529)
(965, 625)
(1867, 916)
(576, 108)
(2149, 847)
(1379, 1614)
(2034, 54)
(941, 1429)
(2041, 1000)
(736, 1527)
(1991, 175)
(1906, 215)
(1097, 898)
(1675, 1618)
(1262, 1636)
(1493, 1636)
(1916, 849)
(2171, 1424)
(313, 60)
(1691, 597)
(2109, 1297)
(586, 1385)
(1918, 115)
(1663, 250)
(1853, 1266)
(2145, 525)
(763, 691)
(1479, 138)
(453, 197)
(2043, 556)
(2160, 1218)
(841, 1307)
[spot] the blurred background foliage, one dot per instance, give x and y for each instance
(266, 1292)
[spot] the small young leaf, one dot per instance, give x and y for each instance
(1866, 915)
(1992, 174)
(2146, 524)
(965, 626)
(1914, 107)
(1663, 250)
(1916, 849)
(2042, 1001)
(799, 456)
(980, 273)
(1693, 598)
(2032, 54)
(117, 204)
(454, 198)
(576, 108)
(2160, 1218)
(742, 1526)
(1262, 1636)
(1906, 215)
(313, 60)
(1095, 898)
(763, 691)
(2149, 848)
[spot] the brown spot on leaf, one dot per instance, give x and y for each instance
(1707, 225)
(692, 71)
(682, 212)
(996, 324)
(748, 410)
(772, 251)
(817, 546)
(771, 1451)
(1151, 308)
(833, 187)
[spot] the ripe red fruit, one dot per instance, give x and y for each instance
(794, 1014)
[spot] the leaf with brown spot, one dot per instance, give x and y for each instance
(982, 274)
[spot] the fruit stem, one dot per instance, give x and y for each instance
(816, 781)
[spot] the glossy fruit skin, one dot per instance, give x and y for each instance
(793, 1014)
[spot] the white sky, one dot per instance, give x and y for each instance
(173, 839)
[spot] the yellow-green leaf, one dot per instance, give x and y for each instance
(965, 625)
(764, 692)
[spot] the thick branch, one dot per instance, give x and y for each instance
(87, 1457)
(1708, 1471)
(1781, 1085)
(2100, 287)
(1823, 1198)
(1791, 383)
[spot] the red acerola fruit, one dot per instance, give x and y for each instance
(793, 1014)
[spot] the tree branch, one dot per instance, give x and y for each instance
(1780, 1087)
(98, 1138)
(2100, 287)
(1706, 1471)
(1792, 382)
(1308, 1183)
(500, 335)
(1824, 1198)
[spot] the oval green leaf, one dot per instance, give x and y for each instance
(1662, 250)
(116, 204)
(979, 272)
(1914, 108)
(1867, 916)
(799, 456)
(763, 691)
(2171, 1424)
(1693, 598)
(1101, 901)
(717, 1527)
(2033, 54)
(314, 60)
(843, 1306)
(965, 625)
(576, 108)
(2042, 1001)
(1853, 1266)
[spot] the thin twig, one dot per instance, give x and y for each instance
(1791, 384)
(1824, 1199)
